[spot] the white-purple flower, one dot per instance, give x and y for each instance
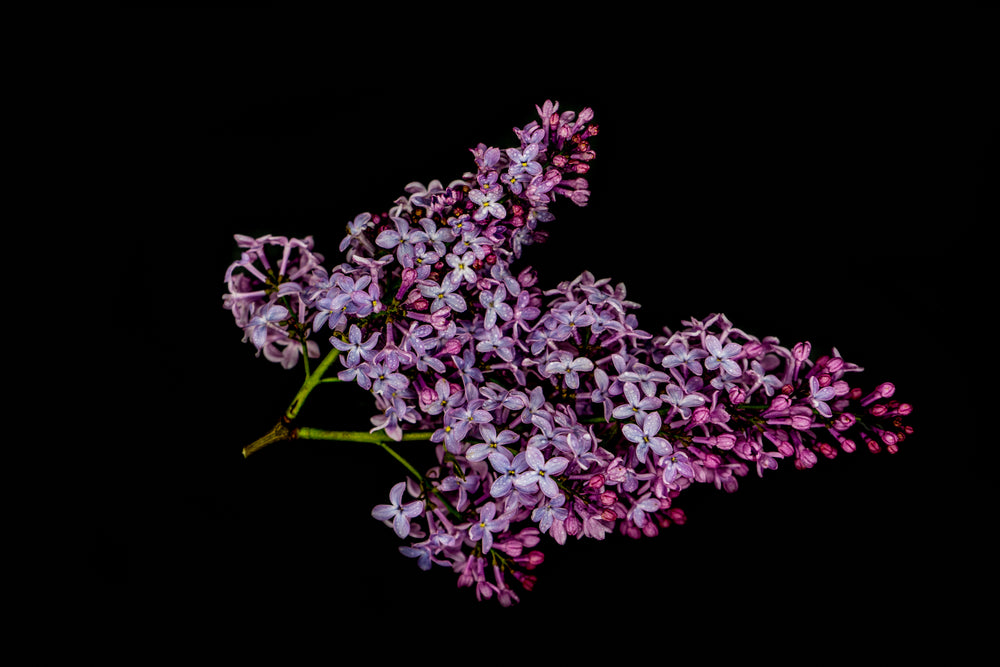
(818, 396)
(443, 295)
(549, 511)
(488, 524)
(524, 161)
(541, 473)
(720, 355)
(496, 306)
(488, 203)
(396, 513)
(681, 355)
(682, 402)
(355, 348)
(492, 443)
(266, 319)
(646, 436)
(507, 470)
(568, 366)
(637, 406)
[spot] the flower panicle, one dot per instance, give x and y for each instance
(553, 414)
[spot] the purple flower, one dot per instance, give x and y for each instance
(646, 436)
(645, 505)
(818, 396)
(491, 340)
(492, 443)
(523, 161)
(638, 405)
(550, 511)
(674, 464)
(443, 295)
(680, 401)
(356, 350)
(488, 203)
(402, 238)
(541, 472)
(444, 398)
(356, 231)
(268, 318)
(385, 379)
(507, 471)
(487, 525)
(461, 267)
(719, 355)
(683, 356)
(396, 513)
(644, 376)
(570, 367)
(495, 305)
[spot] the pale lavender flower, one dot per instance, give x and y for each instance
(674, 464)
(569, 367)
(356, 230)
(495, 304)
(461, 267)
(444, 296)
(769, 382)
(507, 470)
(818, 396)
(681, 355)
(488, 203)
(722, 356)
(549, 511)
(645, 376)
(444, 398)
(645, 505)
(385, 378)
(402, 238)
(681, 401)
(488, 524)
(491, 340)
(396, 513)
(493, 443)
(524, 161)
(438, 237)
(637, 406)
(355, 348)
(541, 473)
(267, 319)
(646, 436)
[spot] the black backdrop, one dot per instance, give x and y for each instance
(828, 200)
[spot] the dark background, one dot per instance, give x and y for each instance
(826, 197)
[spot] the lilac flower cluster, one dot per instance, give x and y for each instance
(552, 412)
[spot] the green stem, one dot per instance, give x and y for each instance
(310, 383)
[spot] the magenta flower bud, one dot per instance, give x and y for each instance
(801, 422)
(596, 482)
(780, 403)
(801, 351)
(608, 498)
(884, 390)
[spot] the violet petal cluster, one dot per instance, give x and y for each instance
(553, 412)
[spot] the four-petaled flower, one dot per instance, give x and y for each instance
(488, 203)
(818, 396)
(720, 355)
(523, 161)
(355, 348)
(549, 511)
(488, 524)
(541, 473)
(397, 513)
(646, 436)
(259, 324)
(570, 367)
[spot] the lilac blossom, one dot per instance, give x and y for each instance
(720, 356)
(551, 412)
(646, 436)
(541, 473)
(488, 204)
(488, 524)
(397, 513)
(264, 322)
(354, 347)
(548, 511)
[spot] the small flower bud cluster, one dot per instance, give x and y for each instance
(553, 413)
